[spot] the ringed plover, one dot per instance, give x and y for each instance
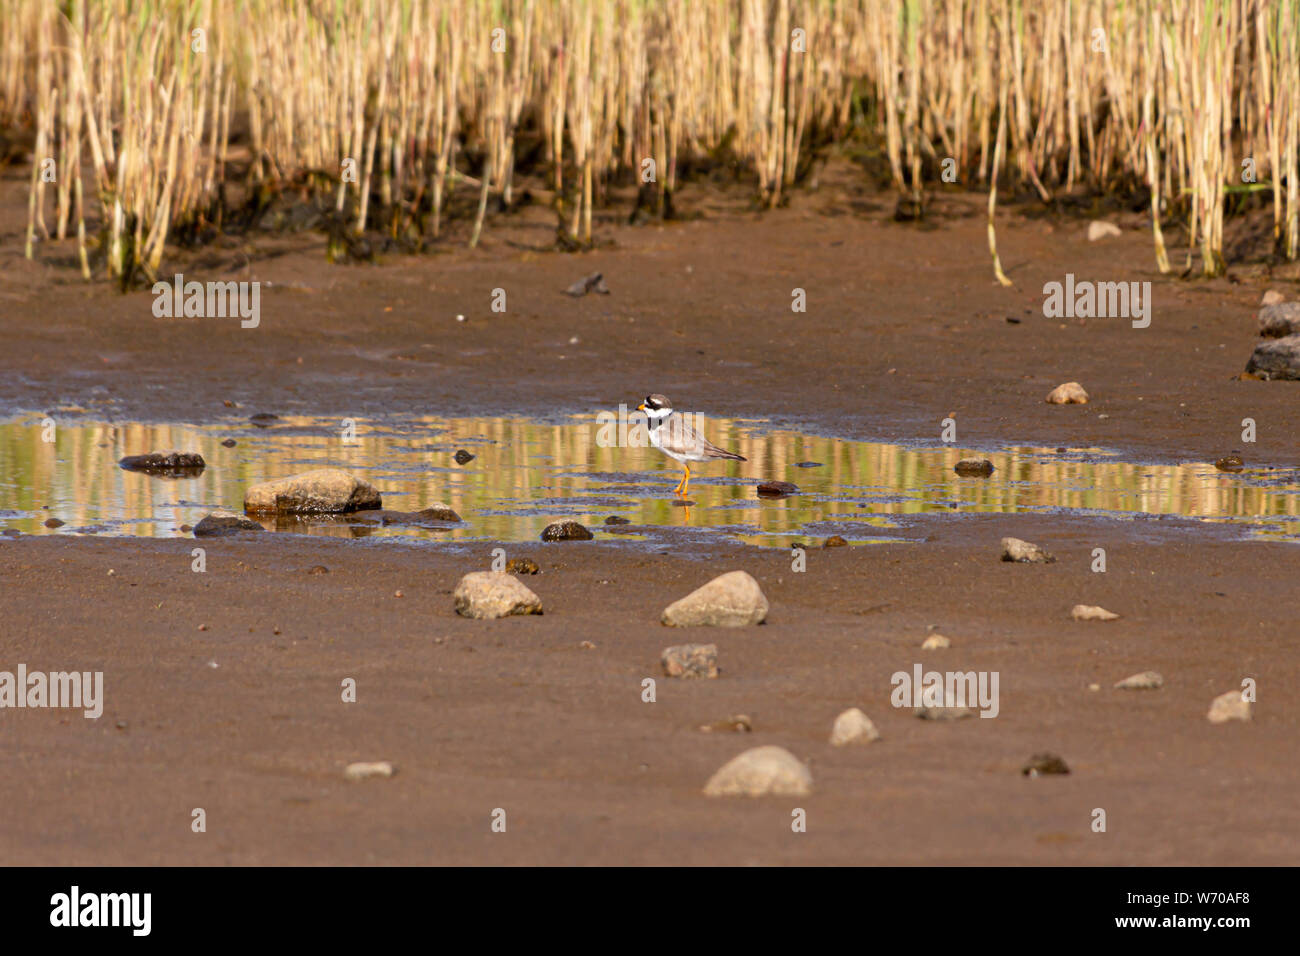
(673, 435)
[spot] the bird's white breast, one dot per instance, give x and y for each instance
(656, 422)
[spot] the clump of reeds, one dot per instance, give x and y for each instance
(384, 109)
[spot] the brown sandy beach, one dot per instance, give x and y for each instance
(516, 714)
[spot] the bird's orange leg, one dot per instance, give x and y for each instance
(686, 480)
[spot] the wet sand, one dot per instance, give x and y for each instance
(515, 714)
(699, 310)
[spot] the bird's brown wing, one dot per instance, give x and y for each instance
(686, 439)
(713, 451)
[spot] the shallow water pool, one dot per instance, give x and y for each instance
(526, 474)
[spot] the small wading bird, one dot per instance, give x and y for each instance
(673, 436)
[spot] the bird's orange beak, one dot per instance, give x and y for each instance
(641, 407)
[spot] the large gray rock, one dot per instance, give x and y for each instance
(491, 594)
(224, 522)
(733, 599)
(761, 771)
(323, 491)
(1276, 358)
(1279, 319)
